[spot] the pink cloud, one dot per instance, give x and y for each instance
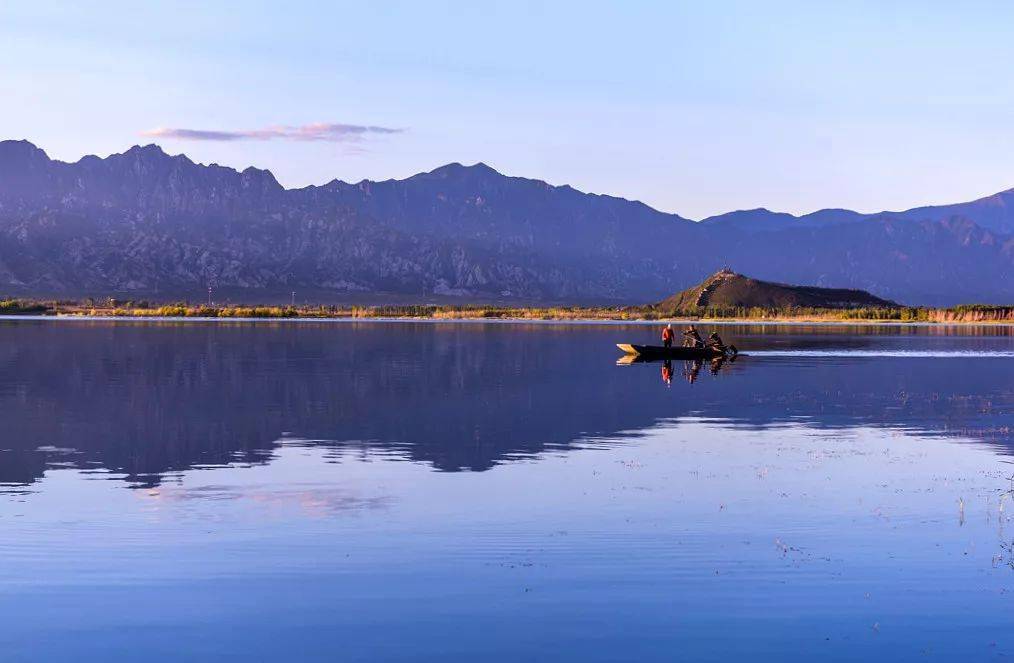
(320, 131)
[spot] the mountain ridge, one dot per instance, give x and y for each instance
(1001, 200)
(148, 222)
(994, 212)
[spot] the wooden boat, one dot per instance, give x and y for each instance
(661, 352)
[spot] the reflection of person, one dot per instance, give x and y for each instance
(691, 369)
(667, 335)
(691, 339)
(667, 372)
(716, 365)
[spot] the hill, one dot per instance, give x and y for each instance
(148, 224)
(727, 289)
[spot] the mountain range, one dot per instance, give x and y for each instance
(147, 223)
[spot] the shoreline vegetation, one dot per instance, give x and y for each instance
(968, 313)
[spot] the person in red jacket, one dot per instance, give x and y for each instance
(667, 336)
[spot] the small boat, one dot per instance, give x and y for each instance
(661, 352)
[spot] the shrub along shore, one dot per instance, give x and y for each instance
(974, 313)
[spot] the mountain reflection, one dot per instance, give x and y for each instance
(144, 399)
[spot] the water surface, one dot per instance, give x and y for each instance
(407, 491)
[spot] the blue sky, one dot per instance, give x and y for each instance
(695, 108)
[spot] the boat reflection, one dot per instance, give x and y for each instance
(690, 370)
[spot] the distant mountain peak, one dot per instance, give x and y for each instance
(18, 143)
(479, 166)
(757, 218)
(20, 149)
(261, 176)
(151, 149)
(456, 169)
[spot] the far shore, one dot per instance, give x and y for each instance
(130, 310)
(561, 321)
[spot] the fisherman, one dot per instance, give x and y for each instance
(692, 339)
(667, 336)
(715, 342)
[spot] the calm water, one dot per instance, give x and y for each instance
(396, 491)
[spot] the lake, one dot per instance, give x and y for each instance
(353, 491)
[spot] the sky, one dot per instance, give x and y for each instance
(695, 108)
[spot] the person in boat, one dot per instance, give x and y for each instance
(667, 335)
(715, 342)
(692, 339)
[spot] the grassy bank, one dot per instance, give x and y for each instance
(977, 313)
(24, 307)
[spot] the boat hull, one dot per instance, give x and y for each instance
(660, 352)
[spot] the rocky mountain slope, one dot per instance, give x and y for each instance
(147, 223)
(727, 289)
